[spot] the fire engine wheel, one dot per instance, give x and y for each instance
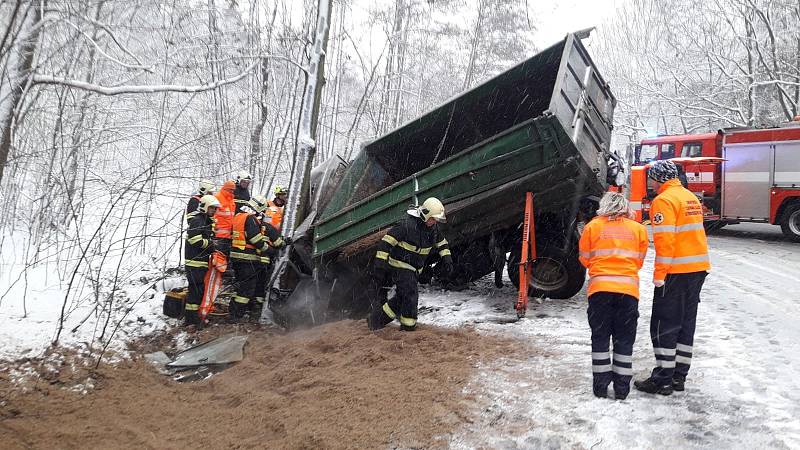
(556, 273)
(790, 225)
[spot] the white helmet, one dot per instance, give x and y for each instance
(243, 175)
(206, 187)
(432, 207)
(259, 203)
(207, 201)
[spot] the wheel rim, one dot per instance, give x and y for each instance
(548, 275)
(794, 223)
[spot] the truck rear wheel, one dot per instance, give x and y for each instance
(556, 273)
(790, 223)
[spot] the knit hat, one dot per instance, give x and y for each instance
(662, 171)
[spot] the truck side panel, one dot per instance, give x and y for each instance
(787, 164)
(746, 181)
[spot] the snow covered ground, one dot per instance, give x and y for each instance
(743, 390)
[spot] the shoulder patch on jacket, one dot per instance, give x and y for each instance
(658, 218)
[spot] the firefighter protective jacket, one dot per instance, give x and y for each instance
(678, 233)
(241, 197)
(407, 245)
(225, 214)
(273, 238)
(191, 207)
(613, 251)
(247, 237)
(198, 244)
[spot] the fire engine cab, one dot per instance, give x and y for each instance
(740, 174)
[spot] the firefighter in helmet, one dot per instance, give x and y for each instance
(241, 194)
(276, 205)
(275, 241)
(206, 188)
(197, 249)
(400, 259)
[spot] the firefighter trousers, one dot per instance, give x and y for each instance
(246, 277)
(612, 316)
(260, 292)
(402, 306)
(195, 276)
(673, 323)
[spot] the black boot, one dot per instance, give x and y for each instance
(678, 383)
(236, 311)
(650, 386)
(600, 391)
(408, 328)
(192, 318)
(378, 319)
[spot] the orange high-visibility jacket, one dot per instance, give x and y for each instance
(613, 250)
(276, 214)
(678, 233)
(226, 211)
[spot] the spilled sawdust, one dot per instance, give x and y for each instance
(335, 386)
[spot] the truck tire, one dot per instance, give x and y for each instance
(556, 273)
(713, 225)
(790, 222)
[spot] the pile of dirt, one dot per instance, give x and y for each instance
(335, 386)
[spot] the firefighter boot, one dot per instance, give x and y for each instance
(408, 327)
(236, 311)
(378, 319)
(191, 318)
(651, 386)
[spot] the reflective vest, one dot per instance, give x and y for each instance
(276, 214)
(224, 215)
(239, 234)
(613, 251)
(678, 233)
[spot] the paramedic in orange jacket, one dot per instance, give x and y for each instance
(613, 247)
(681, 266)
(224, 216)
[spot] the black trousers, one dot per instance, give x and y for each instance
(403, 306)
(246, 279)
(612, 316)
(260, 292)
(673, 324)
(195, 276)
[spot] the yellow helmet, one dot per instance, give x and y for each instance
(280, 190)
(432, 207)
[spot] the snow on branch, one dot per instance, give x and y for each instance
(147, 89)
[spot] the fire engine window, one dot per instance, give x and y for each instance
(692, 150)
(667, 151)
(648, 152)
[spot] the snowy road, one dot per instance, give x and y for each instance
(743, 390)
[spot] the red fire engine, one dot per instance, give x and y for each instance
(741, 175)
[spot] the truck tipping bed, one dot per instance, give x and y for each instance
(542, 126)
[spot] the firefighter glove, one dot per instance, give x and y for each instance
(447, 262)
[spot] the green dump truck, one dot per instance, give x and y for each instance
(542, 126)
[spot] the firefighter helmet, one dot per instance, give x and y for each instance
(243, 175)
(662, 171)
(280, 190)
(206, 187)
(207, 201)
(259, 203)
(432, 207)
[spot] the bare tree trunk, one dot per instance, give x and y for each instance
(19, 63)
(473, 54)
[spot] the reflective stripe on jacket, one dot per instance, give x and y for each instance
(247, 237)
(613, 251)
(678, 233)
(408, 244)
